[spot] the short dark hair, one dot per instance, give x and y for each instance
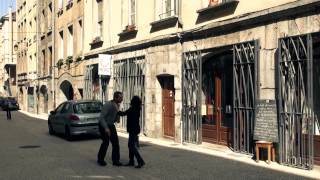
(117, 94)
(136, 102)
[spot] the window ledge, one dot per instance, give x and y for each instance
(218, 7)
(166, 22)
(95, 42)
(128, 32)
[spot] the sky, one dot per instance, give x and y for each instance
(4, 4)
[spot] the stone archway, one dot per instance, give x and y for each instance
(44, 98)
(67, 89)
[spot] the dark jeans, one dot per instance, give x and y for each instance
(8, 114)
(133, 150)
(105, 143)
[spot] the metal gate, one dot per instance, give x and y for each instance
(245, 63)
(191, 97)
(295, 95)
(129, 78)
(87, 93)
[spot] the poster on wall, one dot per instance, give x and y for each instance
(104, 65)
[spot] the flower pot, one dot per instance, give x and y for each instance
(213, 2)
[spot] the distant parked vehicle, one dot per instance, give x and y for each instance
(75, 117)
(9, 103)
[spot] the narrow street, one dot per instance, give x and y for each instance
(27, 151)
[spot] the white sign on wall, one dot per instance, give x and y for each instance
(104, 64)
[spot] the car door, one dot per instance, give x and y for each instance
(56, 119)
(65, 114)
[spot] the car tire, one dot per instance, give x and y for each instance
(68, 134)
(51, 131)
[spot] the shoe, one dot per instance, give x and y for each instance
(140, 165)
(117, 164)
(102, 163)
(129, 164)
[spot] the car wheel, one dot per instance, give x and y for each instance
(51, 131)
(68, 134)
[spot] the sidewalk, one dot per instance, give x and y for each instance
(41, 116)
(214, 150)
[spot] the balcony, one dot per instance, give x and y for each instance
(129, 32)
(216, 9)
(96, 42)
(166, 20)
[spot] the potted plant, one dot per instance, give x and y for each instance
(213, 2)
(60, 63)
(69, 60)
(130, 27)
(78, 58)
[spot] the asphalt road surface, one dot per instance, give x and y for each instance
(27, 151)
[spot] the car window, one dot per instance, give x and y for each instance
(88, 107)
(67, 108)
(59, 108)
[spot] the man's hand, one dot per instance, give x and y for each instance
(108, 132)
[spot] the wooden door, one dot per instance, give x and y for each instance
(316, 146)
(168, 107)
(217, 123)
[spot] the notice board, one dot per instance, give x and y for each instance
(266, 122)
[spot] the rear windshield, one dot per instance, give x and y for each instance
(88, 107)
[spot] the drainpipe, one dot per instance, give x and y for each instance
(53, 65)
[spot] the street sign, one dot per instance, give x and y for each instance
(104, 64)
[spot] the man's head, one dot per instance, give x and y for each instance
(117, 97)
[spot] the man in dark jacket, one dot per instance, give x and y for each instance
(7, 105)
(108, 131)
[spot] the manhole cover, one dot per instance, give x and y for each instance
(29, 147)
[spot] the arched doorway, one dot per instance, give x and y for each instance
(67, 89)
(44, 98)
(20, 98)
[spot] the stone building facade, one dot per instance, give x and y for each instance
(45, 51)
(69, 32)
(27, 52)
(7, 54)
(202, 69)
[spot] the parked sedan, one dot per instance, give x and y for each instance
(9, 103)
(75, 117)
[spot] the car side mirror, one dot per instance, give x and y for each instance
(52, 112)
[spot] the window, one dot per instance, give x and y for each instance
(132, 12)
(43, 64)
(97, 20)
(59, 108)
(61, 45)
(70, 41)
(165, 9)
(80, 34)
(60, 7)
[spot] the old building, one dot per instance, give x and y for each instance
(8, 59)
(68, 71)
(202, 69)
(45, 51)
(27, 45)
